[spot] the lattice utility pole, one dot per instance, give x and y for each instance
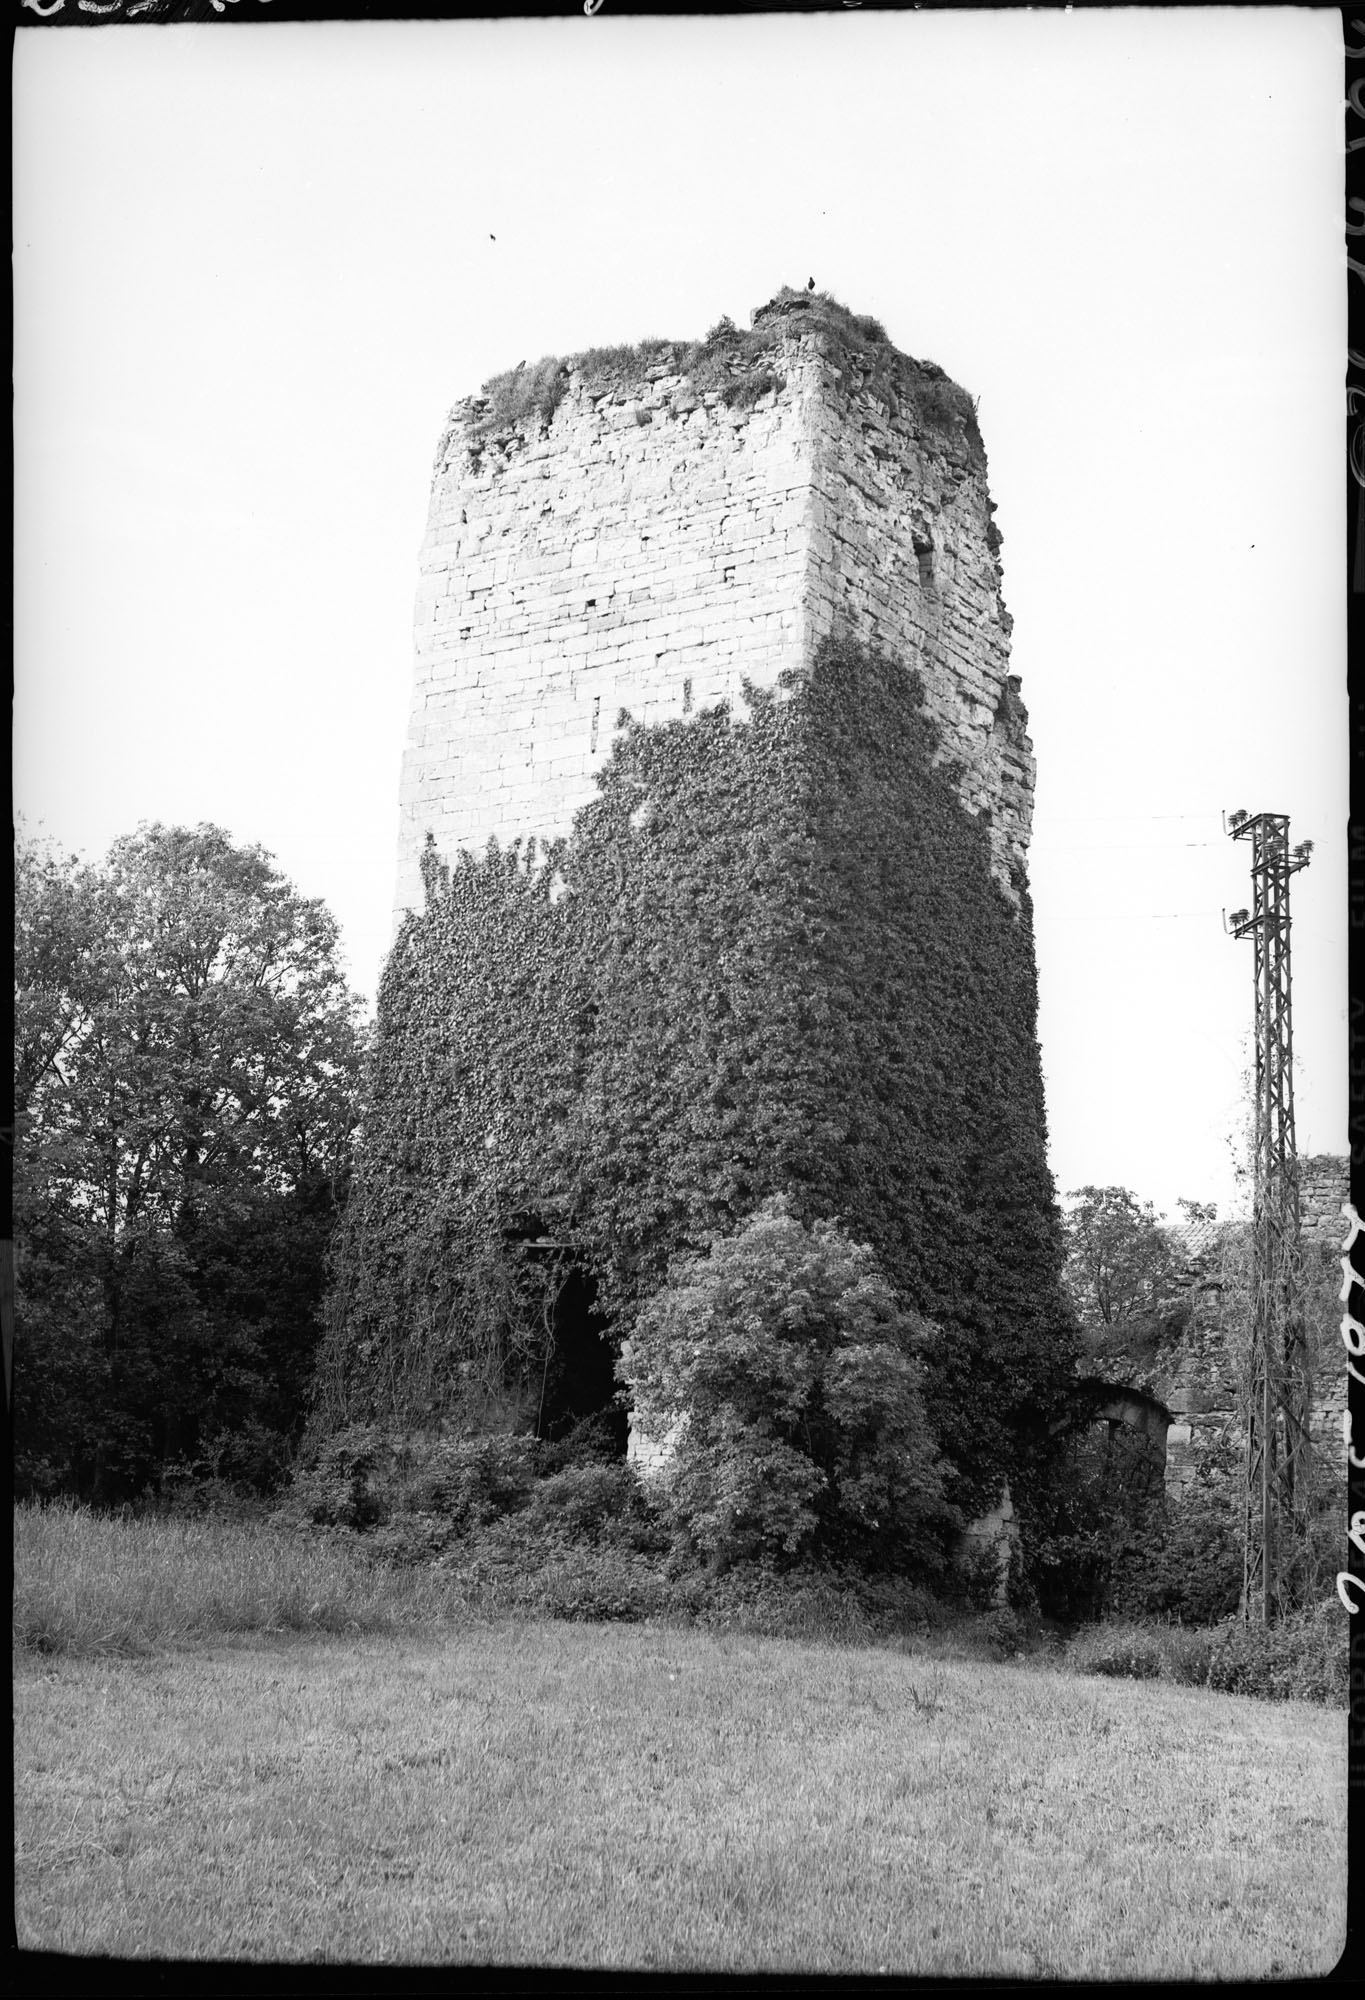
(1278, 1467)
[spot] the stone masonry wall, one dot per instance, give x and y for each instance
(1199, 1382)
(648, 553)
(904, 555)
(652, 549)
(1324, 1188)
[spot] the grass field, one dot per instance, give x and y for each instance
(632, 1796)
(232, 1742)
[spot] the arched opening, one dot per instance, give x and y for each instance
(1113, 1477)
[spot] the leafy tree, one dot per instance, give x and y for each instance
(1119, 1269)
(790, 1380)
(187, 1068)
(1107, 1505)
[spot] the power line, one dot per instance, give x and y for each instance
(1123, 846)
(1128, 819)
(1091, 917)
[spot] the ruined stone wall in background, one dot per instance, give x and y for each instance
(1200, 1383)
(1324, 1186)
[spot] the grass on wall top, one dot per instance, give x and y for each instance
(738, 366)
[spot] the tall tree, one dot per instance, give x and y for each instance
(1119, 1267)
(187, 1071)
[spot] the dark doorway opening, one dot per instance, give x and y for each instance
(580, 1380)
(578, 1383)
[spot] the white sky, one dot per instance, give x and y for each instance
(254, 266)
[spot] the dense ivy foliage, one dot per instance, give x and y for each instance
(472, 1073)
(780, 966)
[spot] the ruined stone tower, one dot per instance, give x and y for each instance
(725, 618)
(647, 529)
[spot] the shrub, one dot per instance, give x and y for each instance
(1005, 1631)
(1303, 1658)
(894, 1604)
(580, 1501)
(1185, 1652)
(334, 1487)
(800, 1604)
(1188, 1563)
(815, 1602)
(412, 1538)
(608, 1583)
(530, 1566)
(1120, 1652)
(733, 364)
(472, 1480)
(797, 1372)
(976, 1578)
(941, 403)
(588, 1442)
(363, 1477)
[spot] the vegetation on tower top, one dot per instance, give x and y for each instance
(736, 367)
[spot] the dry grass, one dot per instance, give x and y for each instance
(609, 1796)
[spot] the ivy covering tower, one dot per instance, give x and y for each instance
(712, 885)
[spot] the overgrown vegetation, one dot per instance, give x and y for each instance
(430, 1536)
(791, 1379)
(737, 366)
(187, 1070)
(388, 1535)
(522, 396)
(1182, 1558)
(1117, 1544)
(434, 1305)
(566, 1530)
(1305, 1657)
(780, 966)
